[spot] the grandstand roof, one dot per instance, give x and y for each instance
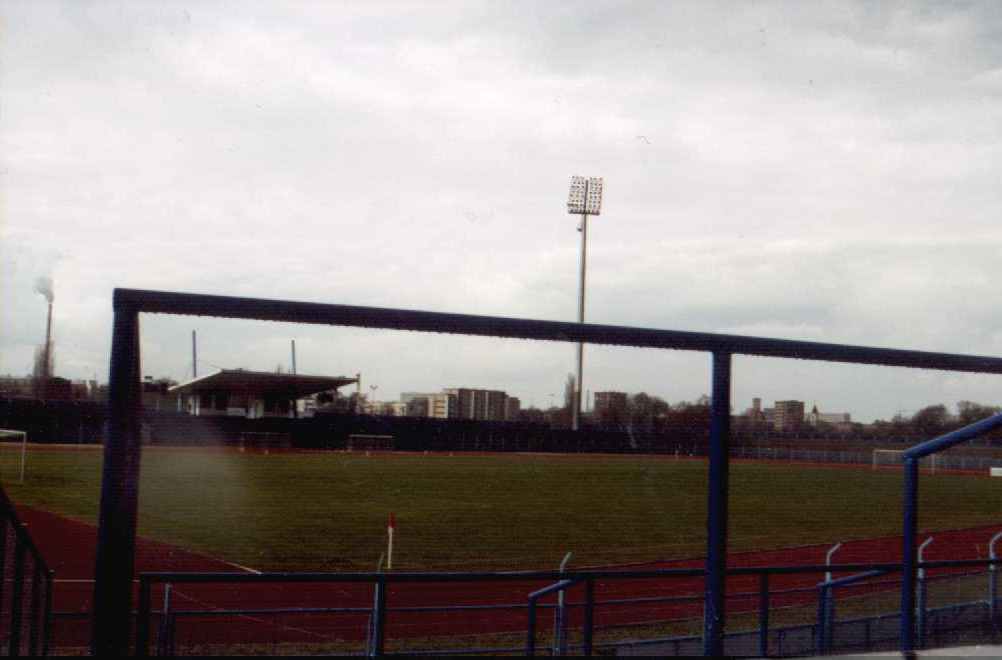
(261, 383)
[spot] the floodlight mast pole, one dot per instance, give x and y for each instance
(586, 201)
(576, 413)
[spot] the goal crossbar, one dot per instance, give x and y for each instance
(896, 458)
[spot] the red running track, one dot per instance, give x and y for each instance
(69, 546)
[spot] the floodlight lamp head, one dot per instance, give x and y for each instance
(585, 195)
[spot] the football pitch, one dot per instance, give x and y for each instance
(327, 511)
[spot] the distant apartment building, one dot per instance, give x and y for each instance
(393, 408)
(788, 415)
(610, 407)
(17, 386)
(416, 403)
(755, 413)
(479, 404)
(439, 405)
(461, 403)
(443, 406)
(839, 420)
(512, 408)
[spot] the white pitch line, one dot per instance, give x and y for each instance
(242, 568)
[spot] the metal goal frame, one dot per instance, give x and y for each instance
(114, 567)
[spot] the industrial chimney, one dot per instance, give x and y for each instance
(43, 285)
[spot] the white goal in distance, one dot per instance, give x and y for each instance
(895, 457)
(21, 437)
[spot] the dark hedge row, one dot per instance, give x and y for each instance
(84, 422)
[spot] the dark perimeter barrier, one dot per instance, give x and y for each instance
(25, 589)
(171, 630)
(909, 525)
(119, 487)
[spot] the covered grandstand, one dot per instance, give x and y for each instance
(251, 394)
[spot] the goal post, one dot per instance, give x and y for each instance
(369, 442)
(896, 458)
(12, 435)
(264, 440)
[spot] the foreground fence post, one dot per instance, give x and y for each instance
(993, 582)
(143, 618)
(560, 615)
(820, 635)
(165, 638)
(830, 621)
(589, 615)
(379, 617)
(116, 536)
(763, 615)
(36, 608)
(47, 630)
(4, 525)
(921, 606)
(17, 596)
(716, 523)
(530, 639)
(908, 556)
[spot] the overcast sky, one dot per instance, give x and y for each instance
(822, 171)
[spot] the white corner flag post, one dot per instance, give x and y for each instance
(391, 525)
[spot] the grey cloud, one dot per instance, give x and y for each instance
(825, 172)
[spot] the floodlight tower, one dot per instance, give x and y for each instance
(585, 198)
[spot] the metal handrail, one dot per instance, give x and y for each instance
(862, 571)
(558, 587)
(119, 494)
(909, 525)
(40, 580)
(193, 304)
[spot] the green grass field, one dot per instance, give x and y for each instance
(327, 511)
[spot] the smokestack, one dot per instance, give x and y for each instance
(293, 357)
(47, 365)
(43, 285)
(194, 357)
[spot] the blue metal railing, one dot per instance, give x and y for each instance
(381, 610)
(909, 525)
(826, 606)
(26, 614)
(119, 488)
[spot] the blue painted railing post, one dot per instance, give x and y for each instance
(143, 619)
(830, 621)
(908, 556)
(763, 615)
(116, 536)
(47, 634)
(530, 629)
(716, 514)
(993, 598)
(821, 627)
(920, 611)
(379, 618)
(17, 592)
(922, 594)
(993, 583)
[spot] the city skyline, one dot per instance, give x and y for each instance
(811, 172)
